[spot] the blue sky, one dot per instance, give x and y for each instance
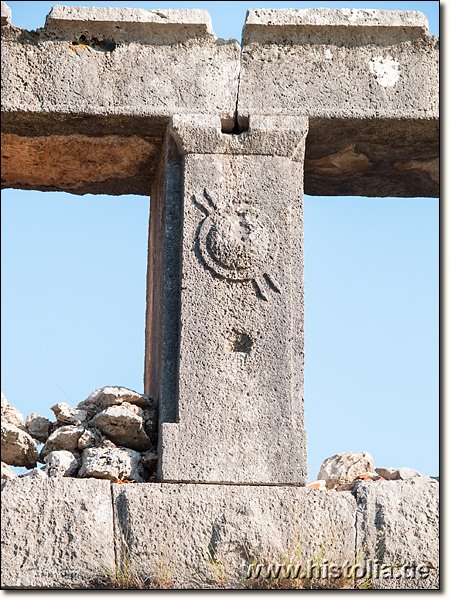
(73, 296)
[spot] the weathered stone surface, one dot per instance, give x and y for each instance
(266, 24)
(36, 473)
(236, 523)
(398, 522)
(17, 447)
(113, 396)
(112, 464)
(38, 427)
(86, 440)
(67, 415)
(123, 427)
(394, 474)
(109, 123)
(6, 473)
(367, 79)
(56, 532)
(125, 25)
(233, 241)
(63, 438)
(61, 463)
(10, 414)
(5, 14)
(345, 467)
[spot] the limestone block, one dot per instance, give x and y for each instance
(384, 63)
(112, 463)
(17, 447)
(5, 14)
(229, 371)
(61, 463)
(6, 473)
(345, 467)
(369, 82)
(125, 25)
(398, 523)
(38, 427)
(9, 414)
(63, 438)
(67, 415)
(123, 427)
(234, 523)
(56, 532)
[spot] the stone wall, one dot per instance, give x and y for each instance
(63, 532)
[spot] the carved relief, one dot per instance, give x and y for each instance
(239, 243)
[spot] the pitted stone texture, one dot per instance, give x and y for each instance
(338, 71)
(63, 438)
(235, 523)
(61, 463)
(398, 523)
(264, 24)
(17, 447)
(38, 427)
(368, 80)
(132, 92)
(124, 25)
(7, 473)
(56, 532)
(123, 427)
(345, 467)
(10, 414)
(271, 135)
(232, 374)
(67, 415)
(112, 464)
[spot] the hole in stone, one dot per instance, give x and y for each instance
(234, 127)
(240, 341)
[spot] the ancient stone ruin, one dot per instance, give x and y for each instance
(225, 139)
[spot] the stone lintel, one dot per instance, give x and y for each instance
(268, 24)
(266, 135)
(125, 25)
(5, 14)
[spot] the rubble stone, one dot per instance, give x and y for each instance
(61, 463)
(345, 467)
(113, 395)
(394, 474)
(112, 463)
(9, 414)
(38, 427)
(64, 438)
(67, 415)
(7, 473)
(123, 427)
(17, 446)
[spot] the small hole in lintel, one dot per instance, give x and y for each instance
(236, 126)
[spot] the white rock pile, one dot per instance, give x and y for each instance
(342, 472)
(110, 435)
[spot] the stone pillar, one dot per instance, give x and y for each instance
(225, 335)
